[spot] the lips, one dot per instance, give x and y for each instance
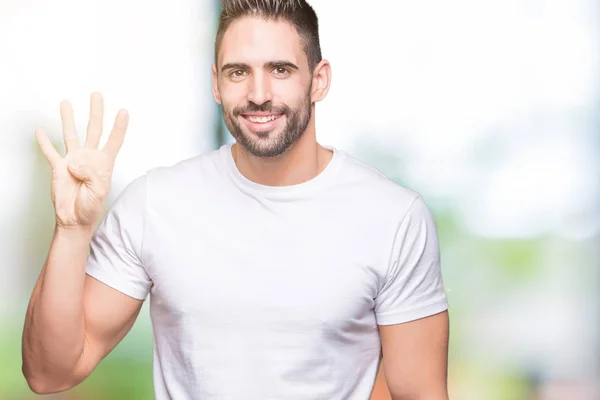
(261, 122)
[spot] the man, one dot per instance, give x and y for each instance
(277, 268)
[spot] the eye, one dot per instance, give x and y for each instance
(239, 73)
(281, 71)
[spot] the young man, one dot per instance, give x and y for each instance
(276, 268)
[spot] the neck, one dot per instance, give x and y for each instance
(303, 161)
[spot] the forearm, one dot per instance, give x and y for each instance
(54, 333)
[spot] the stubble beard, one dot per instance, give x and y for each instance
(269, 144)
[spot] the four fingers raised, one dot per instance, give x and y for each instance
(94, 131)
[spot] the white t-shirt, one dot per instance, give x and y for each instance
(269, 293)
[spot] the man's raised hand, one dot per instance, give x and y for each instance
(81, 179)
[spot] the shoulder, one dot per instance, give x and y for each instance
(369, 186)
(183, 170)
(169, 179)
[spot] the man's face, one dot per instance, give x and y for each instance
(264, 85)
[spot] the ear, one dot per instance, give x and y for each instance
(321, 81)
(215, 84)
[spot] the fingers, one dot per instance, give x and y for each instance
(94, 128)
(117, 136)
(68, 123)
(47, 148)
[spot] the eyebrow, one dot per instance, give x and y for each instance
(269, 64)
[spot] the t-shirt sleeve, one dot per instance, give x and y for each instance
(414, 286)
(116, 248)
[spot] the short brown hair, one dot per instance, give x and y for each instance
(297, 12)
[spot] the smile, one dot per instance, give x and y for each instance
(261, 122)
(261, 119)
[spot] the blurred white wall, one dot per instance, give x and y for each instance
(152, 58)
(511, 85)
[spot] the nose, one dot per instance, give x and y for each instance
(259, 90)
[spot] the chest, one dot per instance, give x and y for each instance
(259, 265)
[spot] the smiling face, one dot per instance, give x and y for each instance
(263, 82)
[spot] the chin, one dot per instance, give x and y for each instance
(266, 147)
(262, 136)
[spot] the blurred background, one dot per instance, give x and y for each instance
(490, 109)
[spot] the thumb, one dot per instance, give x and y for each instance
(83, 172)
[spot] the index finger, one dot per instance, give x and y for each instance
(69, 130)
(117, 135)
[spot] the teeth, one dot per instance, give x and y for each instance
(262, 119)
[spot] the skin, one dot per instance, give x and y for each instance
(415, 359)
(73, 321)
